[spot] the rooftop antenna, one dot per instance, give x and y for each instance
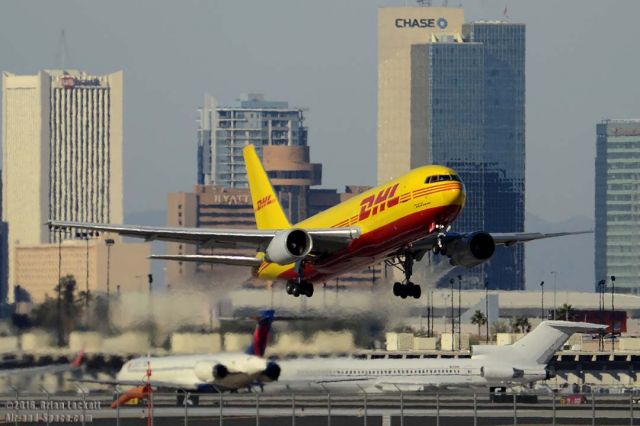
(62, 59)
(424, 3)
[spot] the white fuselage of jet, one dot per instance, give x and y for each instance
(416, 374)
(191, 372)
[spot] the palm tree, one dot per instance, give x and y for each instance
(520, 324)
(479, 319)
(566, 311)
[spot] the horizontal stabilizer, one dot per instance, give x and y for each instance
(211, 258)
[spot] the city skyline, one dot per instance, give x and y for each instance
(161, 121)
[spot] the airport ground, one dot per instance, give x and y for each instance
(337, 409)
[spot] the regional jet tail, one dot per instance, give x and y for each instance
(200, 373)
(489, 367)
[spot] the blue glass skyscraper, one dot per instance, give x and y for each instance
(467, 104)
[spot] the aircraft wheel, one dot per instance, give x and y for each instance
(436, 250)
(404, 291)
(289, 287)
(308, 289)
(397, 289)
(295, 291)
(416, 291)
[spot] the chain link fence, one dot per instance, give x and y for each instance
(322, 408)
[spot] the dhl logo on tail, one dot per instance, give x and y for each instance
(264, 202)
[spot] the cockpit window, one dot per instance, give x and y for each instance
(441, 178)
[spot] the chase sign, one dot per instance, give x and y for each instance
(421, 23)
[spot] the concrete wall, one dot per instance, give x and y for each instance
(184, 343)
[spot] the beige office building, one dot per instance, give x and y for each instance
(36, 266)
(62, 153)
(399, 146)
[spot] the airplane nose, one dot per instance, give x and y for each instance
(457, 196)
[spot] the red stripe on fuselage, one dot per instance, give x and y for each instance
(375, 245)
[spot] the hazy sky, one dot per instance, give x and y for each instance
(582, 66)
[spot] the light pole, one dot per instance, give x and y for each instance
(453, 320)
(542, 301)
(459, 312)
(428, 315)
(602, 285)
(486, 306)
(86, 236)
(59, 310)
(613, 313)
(555, 288)
(109, 242)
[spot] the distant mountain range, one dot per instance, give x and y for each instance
(572, 257)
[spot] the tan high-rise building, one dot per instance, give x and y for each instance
(399, 148)
(36, 266)
(62, 153)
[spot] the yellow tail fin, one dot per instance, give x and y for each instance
(266, 207)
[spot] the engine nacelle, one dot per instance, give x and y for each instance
(209, 372)
(501, 374)
(471, 250)
(272, 372)
(289, 246)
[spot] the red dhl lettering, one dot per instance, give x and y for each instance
(374, 204)
(264, 202)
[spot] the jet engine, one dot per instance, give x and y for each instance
(471, 250)
(500, 374)
(289, 246)
(272, 372)
(208, 372)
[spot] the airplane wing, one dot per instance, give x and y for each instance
(44, 369)
(509, 239)
(323, 239)
(211, 258)
(500, 238)
(154, 383)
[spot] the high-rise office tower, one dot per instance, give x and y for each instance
(224, 131)
(399, 150)
(462, 105)
(504, 143)
(62, 152)
(617, 209)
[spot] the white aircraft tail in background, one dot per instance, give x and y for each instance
(538, 346)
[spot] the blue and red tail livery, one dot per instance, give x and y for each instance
(261, 333)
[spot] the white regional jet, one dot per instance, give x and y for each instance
(199, 373)
(493, 367)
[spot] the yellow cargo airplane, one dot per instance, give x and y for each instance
(398, 222)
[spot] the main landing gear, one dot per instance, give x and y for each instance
(405, 288)
(299, 286)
